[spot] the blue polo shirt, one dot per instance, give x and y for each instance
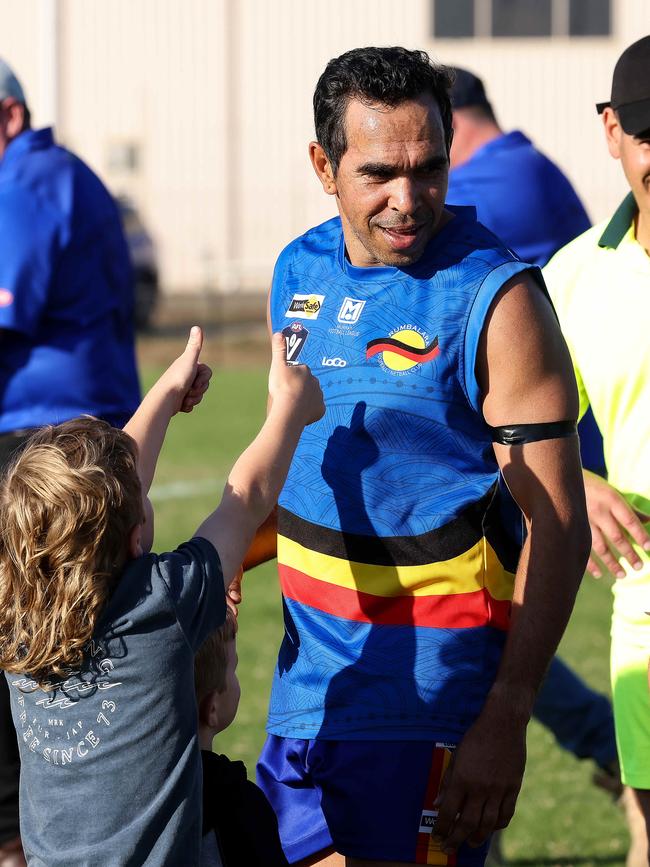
(66, 291)
(521, 196)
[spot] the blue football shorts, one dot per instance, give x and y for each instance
(369, 799)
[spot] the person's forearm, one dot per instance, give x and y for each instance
(259, 474)
(253, 487)
(148, 427)
(550, 569)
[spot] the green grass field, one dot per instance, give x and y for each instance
(562, 819)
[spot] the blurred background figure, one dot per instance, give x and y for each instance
(526, 200)
(66, 321)
(519, 194)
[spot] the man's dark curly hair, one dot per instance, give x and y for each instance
(388, 76)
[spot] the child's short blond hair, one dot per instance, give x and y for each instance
(210, 659)
(69, 501)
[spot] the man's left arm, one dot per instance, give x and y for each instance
(525, 376)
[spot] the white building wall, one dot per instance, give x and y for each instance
(214, 98)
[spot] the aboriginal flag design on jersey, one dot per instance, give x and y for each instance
(450, 577)
(397, 542)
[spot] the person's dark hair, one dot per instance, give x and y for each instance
(388, 76)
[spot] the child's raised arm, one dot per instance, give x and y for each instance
(256, 479)
(179, 389)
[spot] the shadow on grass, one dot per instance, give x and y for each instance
(566, 861)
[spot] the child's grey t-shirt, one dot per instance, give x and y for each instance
(111, 768)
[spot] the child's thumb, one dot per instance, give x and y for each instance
(278, 349)
(194, 343)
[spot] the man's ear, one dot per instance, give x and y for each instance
(613, 132)
(135, 549)
(322, 167)
(15, 118)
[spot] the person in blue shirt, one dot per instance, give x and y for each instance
(518, 193)
(66, 320)
(526, 200)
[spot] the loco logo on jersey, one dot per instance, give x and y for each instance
(404, 350)
(295, 336)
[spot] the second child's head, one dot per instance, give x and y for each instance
(72, 516)
(216, 682)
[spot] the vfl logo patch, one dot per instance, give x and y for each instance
(305, 306)
(350, 311)
(295, 336)
(403, 350)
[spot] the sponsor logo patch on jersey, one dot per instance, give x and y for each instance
(404, 350)
(6, 297)
(305, 306)
(350, 311)
(428, 821)
(333, 362)
(295, 336)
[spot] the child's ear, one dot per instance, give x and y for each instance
(134, 549)
(209, 711)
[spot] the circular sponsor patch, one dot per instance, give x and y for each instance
(6, 297)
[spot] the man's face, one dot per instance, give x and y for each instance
(634, 154)
(391, 182)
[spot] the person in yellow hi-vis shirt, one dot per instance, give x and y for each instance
(600, 285)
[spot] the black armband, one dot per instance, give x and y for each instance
(519, 434)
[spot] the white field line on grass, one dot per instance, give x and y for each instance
(186, 490)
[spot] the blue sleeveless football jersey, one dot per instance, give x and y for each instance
(395, 555)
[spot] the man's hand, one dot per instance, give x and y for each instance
(187, 378)
(613, 525)
(479, 791)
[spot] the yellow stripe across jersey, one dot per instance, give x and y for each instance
(475, 569)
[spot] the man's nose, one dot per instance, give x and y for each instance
(404, 195)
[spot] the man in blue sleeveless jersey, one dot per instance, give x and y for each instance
(415, 634)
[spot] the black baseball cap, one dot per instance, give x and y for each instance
(467, 89)
(631, 88)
